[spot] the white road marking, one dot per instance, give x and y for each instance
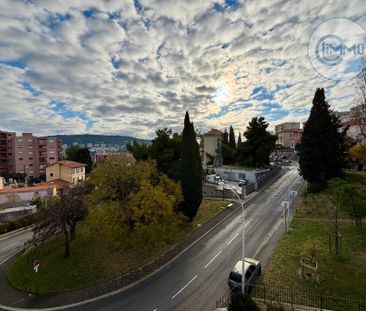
(227, 244)
(212, 259)
(184, 287)
(248, 222)
(155, 309)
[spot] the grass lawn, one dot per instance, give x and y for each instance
(91, 261)
(343, 275)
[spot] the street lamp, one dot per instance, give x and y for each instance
(243, 238)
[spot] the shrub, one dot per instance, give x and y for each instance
(17, 223)
(240, 302)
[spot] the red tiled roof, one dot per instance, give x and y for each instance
(71, 164)
(213, 132)
(57, 183)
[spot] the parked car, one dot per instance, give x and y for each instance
(242, 182)
(252, 272)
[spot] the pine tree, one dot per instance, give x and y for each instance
(259, 144)
(322, 144)
(191, 170)
(232, 142)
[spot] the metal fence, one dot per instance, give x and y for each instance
(297, 299)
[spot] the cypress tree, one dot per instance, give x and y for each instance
(232, 142)
(191, 170)
(322, 144)
(239, 139)
(225, 139)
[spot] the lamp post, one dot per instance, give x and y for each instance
(243, 240)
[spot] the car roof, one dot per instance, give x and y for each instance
(247, 263)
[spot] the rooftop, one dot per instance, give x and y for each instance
(57, 183)
(71, 164)
(213, 132)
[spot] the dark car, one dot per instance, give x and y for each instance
(252, 272)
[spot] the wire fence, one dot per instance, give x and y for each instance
(297, 299)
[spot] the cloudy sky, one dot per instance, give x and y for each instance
(130, 67)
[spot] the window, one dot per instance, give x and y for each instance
(30, 165)
(30, 159)
(241, 176)
(20, 159)
(52, 158)
(51, 174)
(30, 147)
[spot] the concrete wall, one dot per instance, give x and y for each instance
(236, 174)
(21, 198)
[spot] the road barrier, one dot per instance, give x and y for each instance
(298, 299)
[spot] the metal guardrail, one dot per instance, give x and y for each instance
(298, 299)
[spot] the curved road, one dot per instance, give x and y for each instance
(198, 277)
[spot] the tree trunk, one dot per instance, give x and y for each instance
(72, 232)
(67, 242)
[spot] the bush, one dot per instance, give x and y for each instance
(240, 302)
(17, 223)
(275, 307)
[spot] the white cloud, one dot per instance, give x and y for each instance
(132, 69)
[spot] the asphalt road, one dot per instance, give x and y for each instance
(12, 244)
(196, 279)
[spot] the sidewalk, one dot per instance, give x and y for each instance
(12, 297)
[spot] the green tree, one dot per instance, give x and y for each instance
(239, 139)
(232, 142)
(259, 144)
(225, 139)
(191, 170)
(139, 151)
(132, 203)
(165, 149)
(240, 302)
(80, 154)
(62, 214)
(357, 153)
(322, 155)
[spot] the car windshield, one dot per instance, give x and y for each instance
(236, 277)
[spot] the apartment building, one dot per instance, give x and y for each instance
(7, 159)
(211, 148)
(289, 138)
(287, 126)
(27, 153)
(354, 124)
(70, 171)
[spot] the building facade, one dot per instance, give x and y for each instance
(7, 158)
(211, 148)
(354, 125)
(287, 126)
(27, 153)
(70, 171)
(289, 138)
(289, 134)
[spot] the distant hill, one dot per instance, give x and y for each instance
(107, 139)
